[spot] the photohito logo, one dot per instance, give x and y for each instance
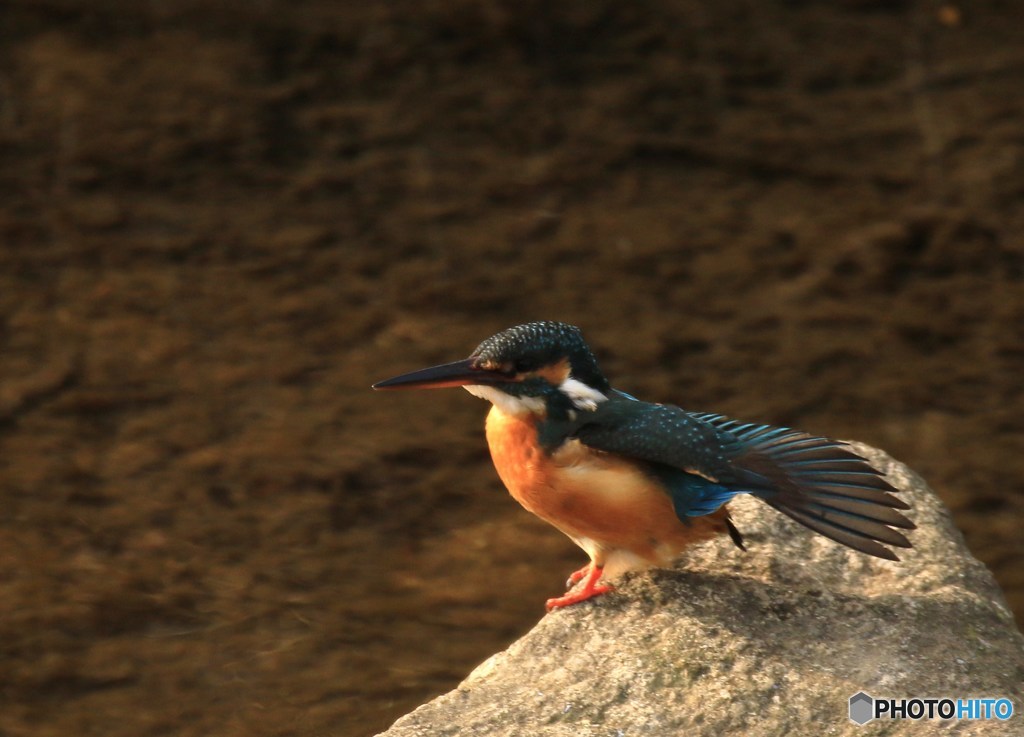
(864, 708)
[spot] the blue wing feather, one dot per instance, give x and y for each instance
(704, 460)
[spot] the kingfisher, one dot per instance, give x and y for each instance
(635, 483)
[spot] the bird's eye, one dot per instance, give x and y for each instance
(524, 366)
(504, 367)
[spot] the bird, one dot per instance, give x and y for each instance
(635, 483)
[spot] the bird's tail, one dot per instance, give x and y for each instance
(820, 483)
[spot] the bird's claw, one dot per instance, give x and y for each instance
(590, 574)
(576, 576)
(574, 597)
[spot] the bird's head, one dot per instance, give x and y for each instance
(529, 368)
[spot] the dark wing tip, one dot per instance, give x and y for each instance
(824, 485)
(863, 541)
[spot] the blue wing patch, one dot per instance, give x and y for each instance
(692, 495)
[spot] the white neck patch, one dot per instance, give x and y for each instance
(582, 396)
(506, 402)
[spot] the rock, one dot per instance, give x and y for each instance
(773, 641)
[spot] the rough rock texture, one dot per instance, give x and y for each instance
(770, 642)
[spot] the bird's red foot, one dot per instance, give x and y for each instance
(589, 589)
(577, 576)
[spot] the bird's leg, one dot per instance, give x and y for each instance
(589, 589)
(576, 576)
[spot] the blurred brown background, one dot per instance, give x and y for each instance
(221, 221)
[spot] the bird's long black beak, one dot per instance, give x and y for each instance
(459, 373)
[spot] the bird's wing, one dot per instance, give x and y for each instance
(706, 459)
(659, 433)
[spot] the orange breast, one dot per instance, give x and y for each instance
(590, 495)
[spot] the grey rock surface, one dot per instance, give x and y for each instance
(773, 641)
